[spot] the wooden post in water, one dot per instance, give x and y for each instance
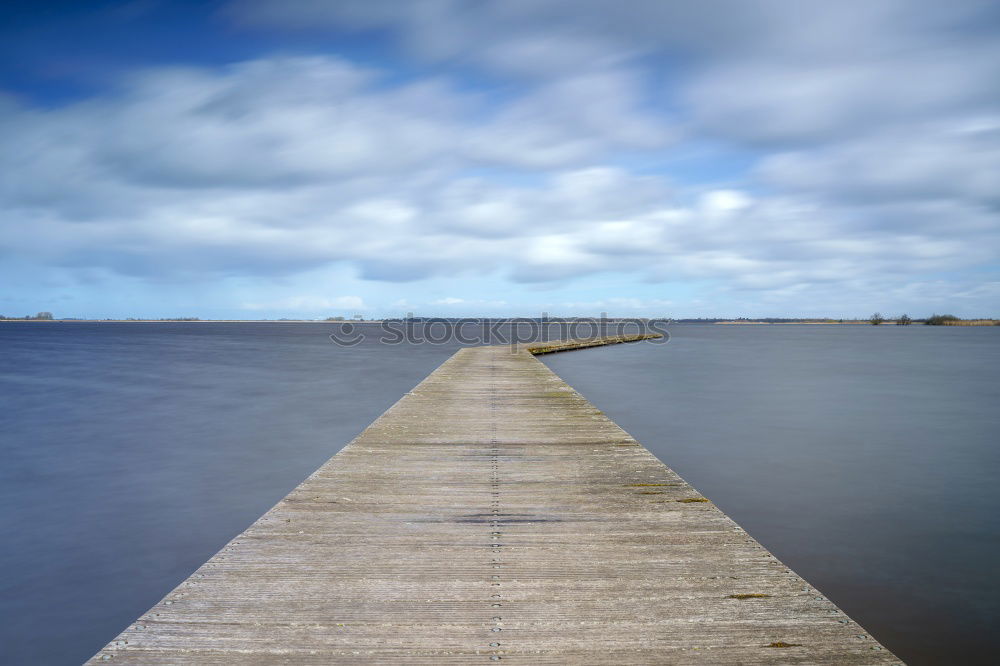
(493, 514)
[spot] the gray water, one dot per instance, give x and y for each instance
(863, 457)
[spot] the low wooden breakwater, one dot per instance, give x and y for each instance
(493, 514)
(539, 348)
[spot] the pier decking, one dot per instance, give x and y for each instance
(493, 514)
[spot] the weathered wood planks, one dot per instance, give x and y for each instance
(494, 514)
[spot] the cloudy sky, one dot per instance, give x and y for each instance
(306, 158)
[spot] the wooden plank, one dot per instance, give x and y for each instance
(493, 514)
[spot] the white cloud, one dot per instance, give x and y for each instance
(723, 203)
(309, 303)
(874, 127)
(569, 120)
(761, 71)
(953, 160)
(639, 305)
(809, 102)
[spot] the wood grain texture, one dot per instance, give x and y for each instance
(493, 514)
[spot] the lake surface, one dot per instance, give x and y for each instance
(863, 457)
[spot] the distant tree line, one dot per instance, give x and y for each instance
(44, 316)
(877, 319)
(935, 320)
(940, 320)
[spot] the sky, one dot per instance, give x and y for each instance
(311, 158)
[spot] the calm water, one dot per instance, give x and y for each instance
(863, 457)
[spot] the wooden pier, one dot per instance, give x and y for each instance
(493, 514)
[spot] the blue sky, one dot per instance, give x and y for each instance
(305, 158)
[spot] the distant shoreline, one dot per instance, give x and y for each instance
(797, 323)
(513, 320)
(189, 321)
(887, 322)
